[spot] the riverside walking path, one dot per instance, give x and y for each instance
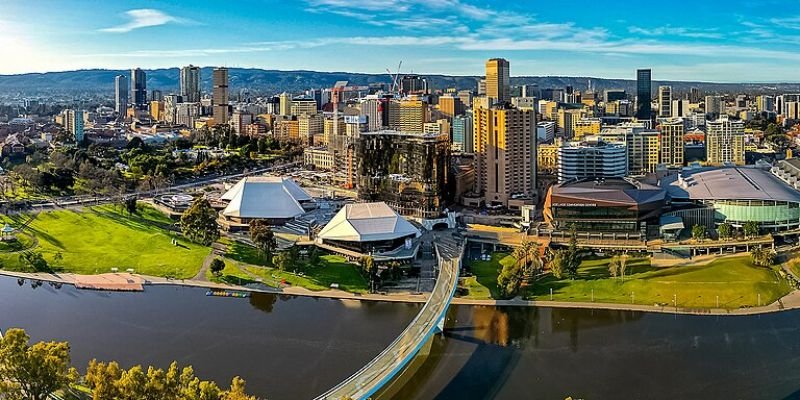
(789, 302)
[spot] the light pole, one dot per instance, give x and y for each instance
(551, 294)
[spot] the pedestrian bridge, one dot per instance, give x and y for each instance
(389, 363)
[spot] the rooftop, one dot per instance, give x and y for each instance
(730, 183)
(265, 197)
(367, 222)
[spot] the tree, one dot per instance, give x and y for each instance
(557, 264)
(622, 265)
(368, 265)
(572, 257)
(725, 231)
(33, 372)
(762, 257)
(262, 236)
(510, 279)
(217, 266)
(237, 391)
(613, 266)
(750, 229)
(698, 232)
(313, 257)
(34, 261)
(199, 222)
(280, 261)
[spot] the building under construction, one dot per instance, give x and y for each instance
(408, 171)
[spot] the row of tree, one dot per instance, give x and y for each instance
(35, 372)
(726, 231)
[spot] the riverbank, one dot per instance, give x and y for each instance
(789, 302)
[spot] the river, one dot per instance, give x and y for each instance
(296, 347)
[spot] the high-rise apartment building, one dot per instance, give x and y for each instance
(190, 84)
(219, 78)
(303, 105)
(505, 153)
(498, 79)
(725, 142)
(74, 124)
(664, 101)
(121, 96)
(644, 94)
(671, 142)
(139, 88)
(413, 84)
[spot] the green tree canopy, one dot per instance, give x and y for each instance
(199, 222)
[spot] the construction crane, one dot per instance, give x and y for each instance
(394, 78)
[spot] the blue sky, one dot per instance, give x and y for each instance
(711, 40)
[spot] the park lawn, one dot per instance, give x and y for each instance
(232, 274)
(100, 238)
(483, 285)
(332, 269)
(733, 279)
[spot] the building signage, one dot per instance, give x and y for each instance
(355, 119)
(574, 205)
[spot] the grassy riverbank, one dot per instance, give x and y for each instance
(730, 282)
(244, 262)
(100, 238)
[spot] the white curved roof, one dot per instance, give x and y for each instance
(265, 197)
(367, 222)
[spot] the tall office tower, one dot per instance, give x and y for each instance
(121, 96)
(413, 115)
(505, 153)
(725, 142)
(671, 145)
(450, 106)
(286, 104)
(190, 84)
(370, 107)
(302, 105)
(219, 79)
(694, 95)
(156, 95)
(462, 134)
(644, 94)
(139, 87)
(766, 104)
(482, 87)
(681, 108)
(498, 80)
(664, 101)
(413, 84)
(611, 95)
(715, 106)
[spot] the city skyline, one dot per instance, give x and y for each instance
(454, 37)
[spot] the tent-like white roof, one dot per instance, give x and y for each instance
(367, 222)
(265, 197)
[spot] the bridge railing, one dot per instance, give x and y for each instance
(391, 361)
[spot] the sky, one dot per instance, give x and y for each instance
(708, 40)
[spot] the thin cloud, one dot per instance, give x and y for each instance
(143, 18)
(669, 30)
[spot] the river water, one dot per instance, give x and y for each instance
(295, 348)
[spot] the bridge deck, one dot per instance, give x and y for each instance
(391, 361)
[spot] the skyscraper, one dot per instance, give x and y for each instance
(505, 153)
(121, 96)
(139, 87)
(664, 101)
(220, 95)
(644, 94)
(498, 79)
(190, 84)
(414, 84)
(671, 142)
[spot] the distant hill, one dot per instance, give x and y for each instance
(260, 81)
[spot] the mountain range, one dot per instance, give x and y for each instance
(265, 82)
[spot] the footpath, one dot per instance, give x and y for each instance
(789, 302)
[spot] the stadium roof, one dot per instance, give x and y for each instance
(265, 197)
(731, 183)
(367, 222)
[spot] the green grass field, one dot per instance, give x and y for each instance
(332, 269)
(733, 279)
(483, 285)
(100, 238)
